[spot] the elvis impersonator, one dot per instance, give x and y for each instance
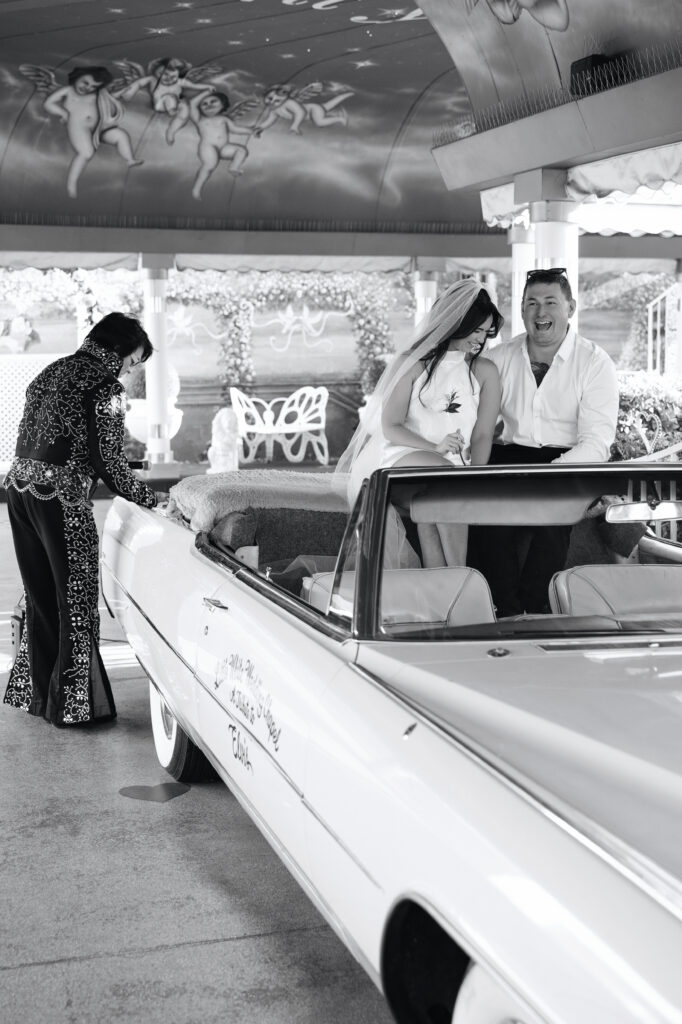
(71, 434)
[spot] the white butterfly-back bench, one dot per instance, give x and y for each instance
(294, 421)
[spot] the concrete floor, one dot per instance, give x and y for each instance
(120, 908)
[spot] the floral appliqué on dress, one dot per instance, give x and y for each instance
(451, 403)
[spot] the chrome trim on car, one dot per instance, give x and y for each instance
(287, 778)
(282, 852)
(262, 585)
(294, 866)
(653, 642)
(649, 877)
(148, 621)
(242, 725)
(346, 849)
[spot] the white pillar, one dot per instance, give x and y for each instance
(522, 242)
(159, 451)
(556, 240)
(425, 290)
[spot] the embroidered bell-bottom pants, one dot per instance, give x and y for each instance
(58, 672)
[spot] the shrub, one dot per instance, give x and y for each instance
(645, 401)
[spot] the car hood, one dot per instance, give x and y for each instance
(592, 731)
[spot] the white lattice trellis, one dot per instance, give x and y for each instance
(16, 373)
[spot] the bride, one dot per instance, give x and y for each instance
(435, 404)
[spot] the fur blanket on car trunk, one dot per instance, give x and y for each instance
(204, 500)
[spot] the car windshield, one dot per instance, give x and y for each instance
(530, 551)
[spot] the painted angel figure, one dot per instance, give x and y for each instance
(88, 109)
(308, 323)
(209, 113)
(296, 104)
(171, 83)
(548, 13)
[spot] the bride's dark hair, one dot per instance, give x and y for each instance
(481, 308)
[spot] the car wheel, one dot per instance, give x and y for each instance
(481, 1000)
(176, 753)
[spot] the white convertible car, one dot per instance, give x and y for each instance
(487, 810)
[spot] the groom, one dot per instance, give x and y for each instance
(559, 404)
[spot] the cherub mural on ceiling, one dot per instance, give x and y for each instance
(548, 13)
(88, 109)
(92, 106)
(208, 111)
(171, 82)
(216, 127)
(295, 104)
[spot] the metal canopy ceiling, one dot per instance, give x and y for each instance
(267, 118)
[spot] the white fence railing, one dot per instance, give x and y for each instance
(664, 332)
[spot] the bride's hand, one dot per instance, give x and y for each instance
(451, 443)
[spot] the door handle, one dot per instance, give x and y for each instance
(214, 602)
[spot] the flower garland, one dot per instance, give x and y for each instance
(233, 296)
(88, 294)
(236, 296)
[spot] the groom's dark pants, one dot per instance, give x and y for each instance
(519, 561)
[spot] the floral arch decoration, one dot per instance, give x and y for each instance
(233, 296)
(236, 296)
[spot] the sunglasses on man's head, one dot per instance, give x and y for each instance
(554, 271)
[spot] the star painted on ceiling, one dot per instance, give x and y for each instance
(204, 21)
(116, 10)
(184, 5)
(365, 63)
(233, 42)
(159, 31)
(287, 56)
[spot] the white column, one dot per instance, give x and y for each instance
(425, 290)
(556, 240)
(522, 242)
(155, 270)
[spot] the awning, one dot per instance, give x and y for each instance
(83, 260)
(635, 194)
(648, 176)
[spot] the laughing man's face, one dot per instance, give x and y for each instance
(546, 312)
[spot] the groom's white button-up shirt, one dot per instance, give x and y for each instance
(575, 406)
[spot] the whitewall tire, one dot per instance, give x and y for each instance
(174, 749)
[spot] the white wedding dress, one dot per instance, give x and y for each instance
(448, 403)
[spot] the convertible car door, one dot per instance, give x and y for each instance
(262, 672)
(357, 789)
